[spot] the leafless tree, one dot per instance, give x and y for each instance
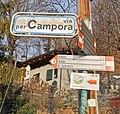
(106, 28)
(106, 25)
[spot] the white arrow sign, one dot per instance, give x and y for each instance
(98, 63)
(84, 81)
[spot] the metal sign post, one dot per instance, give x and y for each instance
(83, 103)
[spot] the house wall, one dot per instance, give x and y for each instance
(62, 79)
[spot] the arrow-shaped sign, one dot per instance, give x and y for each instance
(54, 61)
(92, 81)
(98, 63)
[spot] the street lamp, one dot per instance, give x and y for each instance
(23, 58)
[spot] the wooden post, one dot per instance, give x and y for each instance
(84, 12)
(84, 9)
(92, 110)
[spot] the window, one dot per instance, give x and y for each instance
(49, 74)
(55, 73)
(36, 76)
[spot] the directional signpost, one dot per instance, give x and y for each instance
(98, 63)
(84, 81)
(65, 25)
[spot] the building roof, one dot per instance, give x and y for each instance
(43, 59)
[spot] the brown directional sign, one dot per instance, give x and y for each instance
(86, 40)
(88, 45)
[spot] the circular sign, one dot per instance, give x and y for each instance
(53, 61)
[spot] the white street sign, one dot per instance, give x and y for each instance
(44, 24)
(27, 72)
(98, 63)
(84, 81)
